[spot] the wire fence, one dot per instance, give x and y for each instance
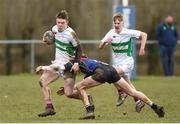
(33, 43)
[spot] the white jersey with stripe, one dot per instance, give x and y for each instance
(65, 43)
(122, 46)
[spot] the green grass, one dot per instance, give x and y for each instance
(21, 101)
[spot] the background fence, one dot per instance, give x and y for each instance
(17, 56)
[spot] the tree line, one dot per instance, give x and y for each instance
(91, 19)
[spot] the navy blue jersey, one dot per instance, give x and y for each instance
(91, 63)
(100, 71)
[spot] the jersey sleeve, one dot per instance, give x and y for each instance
(108, 35)
(74, 39)
(135, 33)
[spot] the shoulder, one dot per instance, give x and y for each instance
(161, 25)
(72, 33)
(54, 29)
(130, 31)
(110, 32)
(69, 29)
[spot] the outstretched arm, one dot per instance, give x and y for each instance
(143, 38)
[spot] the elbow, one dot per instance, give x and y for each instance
(100, 46)
(144, 35)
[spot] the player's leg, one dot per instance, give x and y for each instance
(134, 93)
(69, 82)
(138, 103)
(87, 99)
(124, 70)
(47, 77)
(121, 94)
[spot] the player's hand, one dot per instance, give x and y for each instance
(75, 68)
(109, 40)
(141, 52)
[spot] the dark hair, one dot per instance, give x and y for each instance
(63, 14)
(118, 16)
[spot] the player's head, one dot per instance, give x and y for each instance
(83, 57)
(118, 21)
(62, 20)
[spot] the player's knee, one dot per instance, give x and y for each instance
(131, 93)
(68, 94)
(79, 87)
(42, 83)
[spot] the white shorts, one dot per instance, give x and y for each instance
(126, 65)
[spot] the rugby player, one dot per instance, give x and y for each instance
(120, 39)
(67, 49)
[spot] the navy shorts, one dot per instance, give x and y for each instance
(105, 73)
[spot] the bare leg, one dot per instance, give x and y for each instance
(47, 78)
(69, 87)
(83, 86)
(86, 99)
(132, 92)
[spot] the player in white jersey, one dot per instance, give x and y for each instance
(120, 39)
(67, 49)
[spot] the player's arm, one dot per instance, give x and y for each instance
(104, 43)
(78, 53)
(107, 39)
(143, 39)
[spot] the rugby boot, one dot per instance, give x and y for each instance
(91, 102)
(159, 110)
(121, 99)
(139, 106)
(89, 113)
(87, 116)
(60, 91)
(47, 112)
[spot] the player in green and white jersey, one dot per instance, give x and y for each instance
(67, 49)
(120, 39)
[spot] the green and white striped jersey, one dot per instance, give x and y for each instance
(122, 43)
(65, 43)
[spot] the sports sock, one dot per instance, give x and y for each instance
(154, 106)
(49, 103)
(89, 108)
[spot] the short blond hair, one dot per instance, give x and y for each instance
(118, 16)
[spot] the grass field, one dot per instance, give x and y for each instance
(21, 101)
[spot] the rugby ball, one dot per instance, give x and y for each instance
(48, 37)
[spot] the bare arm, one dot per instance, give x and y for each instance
(143, 38)
(103, 44)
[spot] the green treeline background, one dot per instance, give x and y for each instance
(91, 19)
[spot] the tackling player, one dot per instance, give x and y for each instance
(99, 74)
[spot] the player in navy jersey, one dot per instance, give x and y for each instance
(98, 73)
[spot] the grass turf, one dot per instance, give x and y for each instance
(21, 100)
